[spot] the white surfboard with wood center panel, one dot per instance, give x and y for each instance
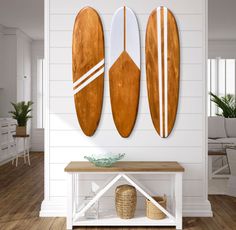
(162, 69)
(124, 70)
(88, 68)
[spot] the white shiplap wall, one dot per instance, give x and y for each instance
(66, 142)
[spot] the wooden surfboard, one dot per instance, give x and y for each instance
(88, 68)
(124, 70)
(162, 69)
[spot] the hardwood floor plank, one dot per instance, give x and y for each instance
(21, 194)
(59, 224)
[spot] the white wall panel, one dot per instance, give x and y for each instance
(64, 55)
(65, 89)
(112, 138)
(185, 154)
(65, 22)
(187, 38)
(188, 72)
(193, 6)
(70, 122)
(66, 105)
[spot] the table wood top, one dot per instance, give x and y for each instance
(126, 166)
(216, 153)
(27, 135)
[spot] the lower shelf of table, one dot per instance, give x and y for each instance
(111, 219)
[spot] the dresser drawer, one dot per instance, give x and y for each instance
(4, 125)
(11, 133)
(7, 130)
(12, 126)
(4, 151)
(4, 136)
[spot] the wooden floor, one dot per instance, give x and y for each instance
(21, 193)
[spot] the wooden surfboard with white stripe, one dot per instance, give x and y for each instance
(88, 69)
(124, 70)
(162, 69)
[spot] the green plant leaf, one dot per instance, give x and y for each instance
(226, 104)
(21, 112)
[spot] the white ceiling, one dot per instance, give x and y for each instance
(222, 19)
(27, 15)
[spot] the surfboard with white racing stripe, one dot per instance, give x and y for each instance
(88, 68)
(162, 69)
(124, 70)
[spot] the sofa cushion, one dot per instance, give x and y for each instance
(212, 141)
(228, 140)
(230, 127)
(214, 144)
(216, 127)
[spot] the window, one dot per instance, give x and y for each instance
(40, 123)
(221, 80)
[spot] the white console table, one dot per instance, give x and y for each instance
(125, 170)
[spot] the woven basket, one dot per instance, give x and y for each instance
(152, 212)
(126, 199)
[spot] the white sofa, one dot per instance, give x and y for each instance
(221, 130)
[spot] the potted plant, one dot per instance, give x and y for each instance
(21, 114)
(227, 104)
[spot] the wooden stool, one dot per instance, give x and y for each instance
(25, 148)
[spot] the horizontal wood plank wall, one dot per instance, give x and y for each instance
(185, 144)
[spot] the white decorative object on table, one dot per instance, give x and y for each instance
(105, 160)
(93, 211)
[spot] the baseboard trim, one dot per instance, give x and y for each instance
(197, 209)
(52, 209)
(5, 161)
(58, 209)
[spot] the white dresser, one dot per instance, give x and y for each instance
(7, 129)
